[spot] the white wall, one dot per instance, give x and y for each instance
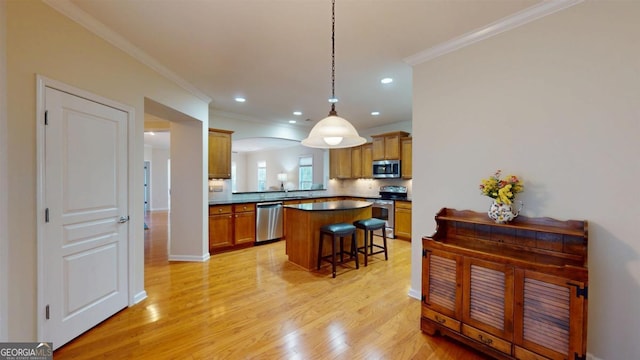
(42, 41)
(188, 237)
(282, 160)
(4, 209)
(556, 102)
(159, 179)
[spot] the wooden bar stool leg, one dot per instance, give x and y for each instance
(384, 241)
(366, 255)
(354, 248)
(333, 255)
(320, 250)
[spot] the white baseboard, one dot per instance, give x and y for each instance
(592, 357)
(415, 294)
(191, 258)
(139, 297)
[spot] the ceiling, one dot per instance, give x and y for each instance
(277, 53)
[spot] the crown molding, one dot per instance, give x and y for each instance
(505, 24)
(68, 9)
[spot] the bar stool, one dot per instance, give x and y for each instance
(340, 230)
(369, 225)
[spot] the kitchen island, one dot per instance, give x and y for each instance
(303, 223)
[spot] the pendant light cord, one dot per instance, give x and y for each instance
(333, 57)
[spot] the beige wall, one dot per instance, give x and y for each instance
(555, 101)
(4, 178)
(41, 41)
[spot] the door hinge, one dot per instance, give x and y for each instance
(46, 117)
(581, 291)
(46, 312)
(578, 357)
(423, 298)
(424, 252)
(46, 215)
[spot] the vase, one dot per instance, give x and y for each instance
(502, 213)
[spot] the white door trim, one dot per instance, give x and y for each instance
(135, 219)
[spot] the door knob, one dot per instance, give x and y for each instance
(123, 219)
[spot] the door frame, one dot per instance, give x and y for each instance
(41, 84)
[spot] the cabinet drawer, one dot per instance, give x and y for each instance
(244, 207)
(219, 209)
(452, 324)
(523, 354)
(487, 339)
(403, 205)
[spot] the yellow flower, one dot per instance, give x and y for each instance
(503, 191)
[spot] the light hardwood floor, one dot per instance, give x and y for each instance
(254, 304)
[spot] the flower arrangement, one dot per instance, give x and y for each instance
(502, 190)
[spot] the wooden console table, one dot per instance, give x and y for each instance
(513, 291)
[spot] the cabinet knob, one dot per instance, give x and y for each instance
(484, 340)
(219, 210)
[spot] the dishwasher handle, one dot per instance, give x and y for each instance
(269, 204)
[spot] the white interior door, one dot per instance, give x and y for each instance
(85, 235)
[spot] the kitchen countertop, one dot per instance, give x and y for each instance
(286, 198)
(331, 205)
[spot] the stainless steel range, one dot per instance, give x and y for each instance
(383, 207)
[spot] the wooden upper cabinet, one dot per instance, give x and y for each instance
(367, 161)
(387, 146)
(356, 162)
(219, 154)
(406, 164)
(340, 163)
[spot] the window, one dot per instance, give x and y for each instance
(262, 175)
(305, 172)
(234, 185)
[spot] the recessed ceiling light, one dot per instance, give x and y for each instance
(375, 113)
(240, 99)
(386, 80)
(297, 113)
(292, 121)
(333, 100)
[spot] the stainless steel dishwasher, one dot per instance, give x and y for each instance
(269, 218)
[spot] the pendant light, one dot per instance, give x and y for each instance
(333, 132)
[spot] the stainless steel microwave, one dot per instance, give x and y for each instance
(386, 169)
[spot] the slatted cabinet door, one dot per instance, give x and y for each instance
(442, 285)
(546, 308)
(488, 302)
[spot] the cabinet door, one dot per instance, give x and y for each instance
(550, 316)
(367, 161)
(340, 163)
(220, 231)
(406, 164)
(392, 147)
(402, 226)
(378, 148)
(488, 297)
(356, 162)
(219, 154)
(441, 284)
(245, 227)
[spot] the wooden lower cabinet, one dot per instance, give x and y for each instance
(220, 227)
(402, 214)
(513, 291)
(244, 224)
(231, 227)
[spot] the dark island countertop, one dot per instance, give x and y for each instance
(331, 205)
